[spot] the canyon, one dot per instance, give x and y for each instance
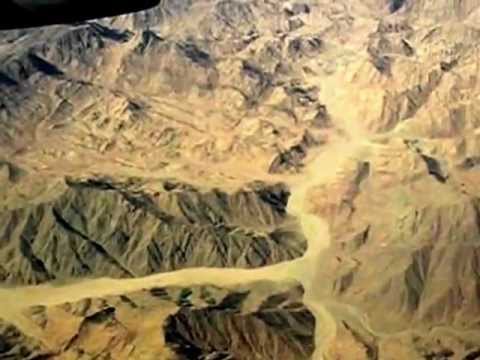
(240, 179)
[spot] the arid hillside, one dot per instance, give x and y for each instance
(243, 179)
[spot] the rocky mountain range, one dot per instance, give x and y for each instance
(243, 179)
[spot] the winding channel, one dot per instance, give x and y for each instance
(321, 171)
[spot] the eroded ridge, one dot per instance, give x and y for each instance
(303, 271)
(216, 93)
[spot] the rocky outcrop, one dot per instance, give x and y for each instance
(353, 343)
(16, 345)
(98, 228)
(225, 331)
(263, 320)
(291, 160)
(426, 259)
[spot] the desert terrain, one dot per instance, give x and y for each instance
(243, 179)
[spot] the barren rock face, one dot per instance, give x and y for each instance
(166, 176)
(16, 345)
(172, 323)
(98, 228)
(225, 330)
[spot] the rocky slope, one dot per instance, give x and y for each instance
(99, 228)
(425, 244)
(175, 137)
(204, 322)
